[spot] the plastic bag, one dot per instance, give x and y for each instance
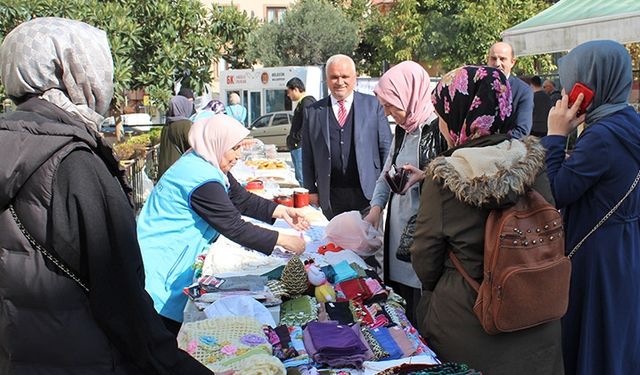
(349, 231)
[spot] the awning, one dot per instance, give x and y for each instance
(571, 22)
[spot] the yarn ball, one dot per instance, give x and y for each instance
(315, 275)
(294, 277)
(325, 293)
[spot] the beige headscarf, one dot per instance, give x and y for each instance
(65, 62)
(212, 137)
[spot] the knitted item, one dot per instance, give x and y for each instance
(236, 343)
(298, 311)
(277, 288)
(294, 277)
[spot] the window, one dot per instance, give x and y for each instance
(275, 100)
(274, 14)
(280, 119)
(261, 122)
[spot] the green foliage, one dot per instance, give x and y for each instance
(461, 32)
(153, 42)
(310, 32)
(233, 28)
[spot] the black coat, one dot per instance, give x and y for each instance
(64, 184)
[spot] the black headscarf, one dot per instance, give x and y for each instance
(474, 101)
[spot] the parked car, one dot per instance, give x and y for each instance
(273, 128)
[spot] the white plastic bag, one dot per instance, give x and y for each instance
(349, 231)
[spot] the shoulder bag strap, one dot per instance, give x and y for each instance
(57, 262)
(633, 186)
(456, 263)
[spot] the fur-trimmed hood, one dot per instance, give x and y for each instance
(490, 176)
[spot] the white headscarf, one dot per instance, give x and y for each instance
(212, 137)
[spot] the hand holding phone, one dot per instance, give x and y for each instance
(579, 88)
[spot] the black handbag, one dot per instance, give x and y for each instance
(406, 240)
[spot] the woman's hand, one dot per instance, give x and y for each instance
(415, 175)
(293, 216)
(294, 244)
(562, 118)
(373, 217)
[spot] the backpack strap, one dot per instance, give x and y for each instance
(633, 186)
(456, 263)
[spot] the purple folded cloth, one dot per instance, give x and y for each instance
(332, 339)
(339, 360)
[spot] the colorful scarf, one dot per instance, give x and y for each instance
(474, 101)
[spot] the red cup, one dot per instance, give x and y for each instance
(284, 200)
(300, 197)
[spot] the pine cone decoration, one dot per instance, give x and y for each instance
(294, 277)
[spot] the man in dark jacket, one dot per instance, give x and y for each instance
(541, 106)
(296, 92)
(72, 298)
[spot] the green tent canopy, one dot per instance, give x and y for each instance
(571, 22)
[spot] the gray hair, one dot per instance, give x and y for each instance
(336, 58)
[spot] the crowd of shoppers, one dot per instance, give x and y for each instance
(74, 263)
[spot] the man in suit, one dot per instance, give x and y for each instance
(345, 141)
(501, 57)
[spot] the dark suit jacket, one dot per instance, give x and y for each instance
(371, 139)
(522, 111)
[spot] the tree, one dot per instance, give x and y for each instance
(310, 32)
(153, 42)
(233, 28)
(461, 32)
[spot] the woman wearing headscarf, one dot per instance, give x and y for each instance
(601, 330)
(484, 168)
(196, 200)
(214, 107)
(174, 138)
(405, 94)
(72, 298)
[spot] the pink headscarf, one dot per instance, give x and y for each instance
(212, 137)
(407, 87)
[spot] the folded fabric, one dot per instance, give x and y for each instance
(247, 282)
(297, 342)
(348, 255)
(361, 313)
(332, 338)
(339, 360)
(373, 285)
(377, 349)
(280, 350)
(283, 333)
(344, 272)
(298, 311)
(339, 311)
(329, 273)
(354, 290)
(403, 341)
(359, 269)
(382, 335)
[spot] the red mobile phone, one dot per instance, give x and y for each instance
(588, 97)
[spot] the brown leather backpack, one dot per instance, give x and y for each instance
(526, 274)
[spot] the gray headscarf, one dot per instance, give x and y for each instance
(605, 67)
(180, 108)
(65, 62)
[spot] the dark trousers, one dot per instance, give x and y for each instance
(345, 200)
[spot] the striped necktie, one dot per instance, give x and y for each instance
(342, 113)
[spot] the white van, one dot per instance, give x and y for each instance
(264, 90)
